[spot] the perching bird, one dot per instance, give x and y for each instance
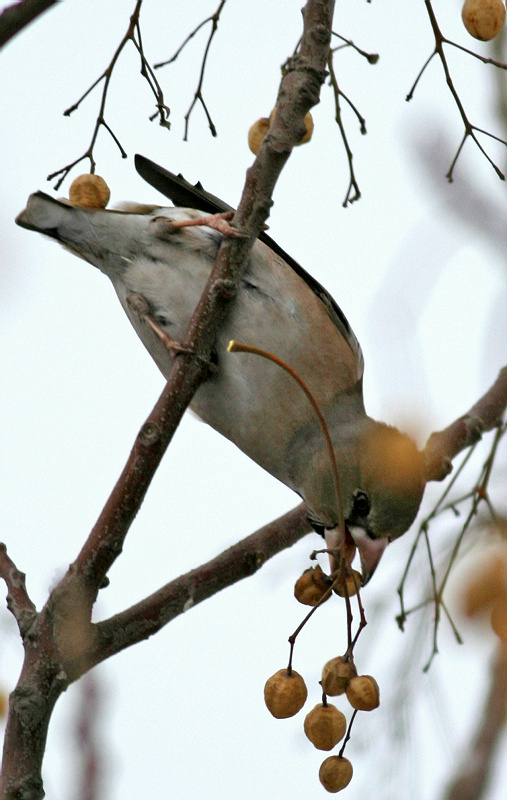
(250, 400)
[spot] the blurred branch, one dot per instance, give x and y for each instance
(198, 95)
(470, 130)
(473, 773)
(16, 17)
(484, 415)
(133, 35)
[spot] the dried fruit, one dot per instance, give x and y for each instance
(488, 581)
(90, 191)
(312, 586)
(325, 726)
(336, 675)
(257, 133)
(335, 773)
(353, 583)
(363, 693)
(483, 19)
(285, 693)
(499, 618)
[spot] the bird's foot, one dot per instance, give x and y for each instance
(138, 304)
(219, 222)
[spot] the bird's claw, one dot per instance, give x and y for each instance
(219, 222)
(139, 304)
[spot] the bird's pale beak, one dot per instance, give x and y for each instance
(370, 551)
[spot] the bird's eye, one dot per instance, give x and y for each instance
(361, 504)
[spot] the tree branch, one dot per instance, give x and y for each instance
(240, 561)
(444, 445)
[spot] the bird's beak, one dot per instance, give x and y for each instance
(370, 551)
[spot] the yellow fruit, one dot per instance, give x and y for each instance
(353, 582)
(487, 582)
(285, 694)
(257, 133)
(325, 726)
(499, 618)
(483, 19)
(312, 586)
(90, 191)
(363, 693)
(335, 773)
(336, 676)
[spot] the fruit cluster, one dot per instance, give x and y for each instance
(285, 692)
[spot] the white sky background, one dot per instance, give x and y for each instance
(183, 714)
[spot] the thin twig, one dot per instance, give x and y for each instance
(198, 94)
(18, 599)
(133, 35)
(353, 191)
(470, 129)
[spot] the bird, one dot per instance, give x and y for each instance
(158, 259)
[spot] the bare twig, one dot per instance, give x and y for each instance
(133, 35)
(18, 600)
(198, 95)
(16, 17)
(470, 130)
(353, 191)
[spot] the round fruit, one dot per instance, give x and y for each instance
(285, 693)
(336, 676)
(363, 693)
(312, 586)
(325, 726)
(90, 191)
(257, 133)
(483, 19)
(499, 618)
(353, 583)
(335, 773)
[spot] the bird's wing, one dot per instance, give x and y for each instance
(184, 194)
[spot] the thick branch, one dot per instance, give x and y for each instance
(150, 615)
(444, 445)
(16, 17)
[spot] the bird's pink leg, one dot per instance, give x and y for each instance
(219, 222)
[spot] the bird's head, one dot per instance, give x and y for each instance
(381, 485)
